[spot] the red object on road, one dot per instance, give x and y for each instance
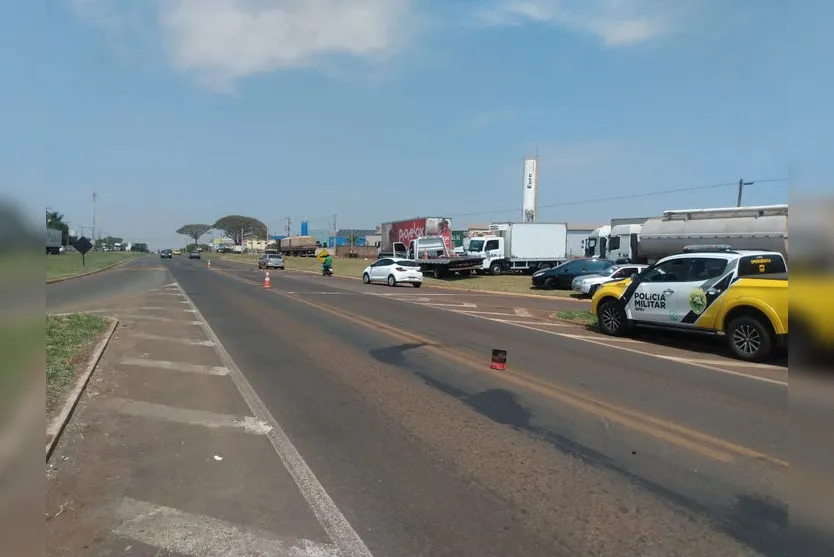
(267, 283)
(499, 359)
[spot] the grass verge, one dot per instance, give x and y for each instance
(515, 284)
(69, 264)
(580, 317)
(69, 341)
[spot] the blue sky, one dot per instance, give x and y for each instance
(182, 111)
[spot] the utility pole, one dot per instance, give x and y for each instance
(95, 195)
(289, 224)
(741, 184)
(333, 235)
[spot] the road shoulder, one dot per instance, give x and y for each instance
(162, 445)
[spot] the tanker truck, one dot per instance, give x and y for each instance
(758, 227)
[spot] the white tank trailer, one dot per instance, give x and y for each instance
(760, 227)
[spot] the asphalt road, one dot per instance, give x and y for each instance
(580, 448)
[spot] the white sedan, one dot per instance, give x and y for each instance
(588, 284)
(393, 271)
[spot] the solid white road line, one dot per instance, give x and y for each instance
(328, 514)
(175, 366)
(178, 340)
(212, 420)
(195, 535)
(532, 323)
(439, 305)
(134, 317)
(479, 313)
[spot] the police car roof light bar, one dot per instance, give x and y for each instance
(707, 248)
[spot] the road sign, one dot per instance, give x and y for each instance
(83, 245)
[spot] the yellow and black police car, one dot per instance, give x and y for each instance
(742, 294)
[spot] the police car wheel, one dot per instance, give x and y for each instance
(750, 339)
(612, 319)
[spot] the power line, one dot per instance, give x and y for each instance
(627, 196)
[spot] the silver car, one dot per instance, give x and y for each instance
(271, 261)
(588, 284)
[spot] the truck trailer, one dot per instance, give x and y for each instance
(526, 247)
(757, 227)
(54, 240)
(427, 240)
(294, 245)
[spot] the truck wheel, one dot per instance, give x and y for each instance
(366, 278)
(612, 318)
(439, 273)
(496, 269)
(750, 339)
(392, 281)
(544, 266)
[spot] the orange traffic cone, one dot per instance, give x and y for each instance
(267, 284)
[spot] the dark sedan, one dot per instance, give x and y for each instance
(563, 275)
(166, 254)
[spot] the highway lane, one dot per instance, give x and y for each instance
(578, 449)
(95, 291)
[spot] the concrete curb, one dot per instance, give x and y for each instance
(56, 427)
(70, 277)
(441, 287)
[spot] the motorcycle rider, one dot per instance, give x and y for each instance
(327, 265)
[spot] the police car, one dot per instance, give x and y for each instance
(742, 294)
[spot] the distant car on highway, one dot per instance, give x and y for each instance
(588, 284)
(393, 271)
(177, 252)
(271, 261)
(562, 275)
(165, 254)
(194, 254)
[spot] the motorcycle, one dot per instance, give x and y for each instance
(326, 271)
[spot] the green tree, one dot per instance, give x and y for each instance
(140, 247)
(194, 231)
(239, 228)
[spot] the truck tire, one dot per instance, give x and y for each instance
(439, 273)
(612, 318)
(366, 278)
(392, 281)
(750, 339)
(544, 266)
(496, 269)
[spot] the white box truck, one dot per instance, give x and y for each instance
(519, 246)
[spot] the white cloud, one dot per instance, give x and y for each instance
(615, 22)
(224, 40)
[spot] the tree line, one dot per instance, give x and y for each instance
(237, 228)
(55, 219)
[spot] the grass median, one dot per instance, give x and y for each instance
(579, 317)
(515, 284)
(70, 339)
(70, 264)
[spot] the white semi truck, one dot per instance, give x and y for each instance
(762, 227)
(519, 246)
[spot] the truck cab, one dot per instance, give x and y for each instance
(623, 243)
(741, 294)
(596, 245)
(491, 248)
